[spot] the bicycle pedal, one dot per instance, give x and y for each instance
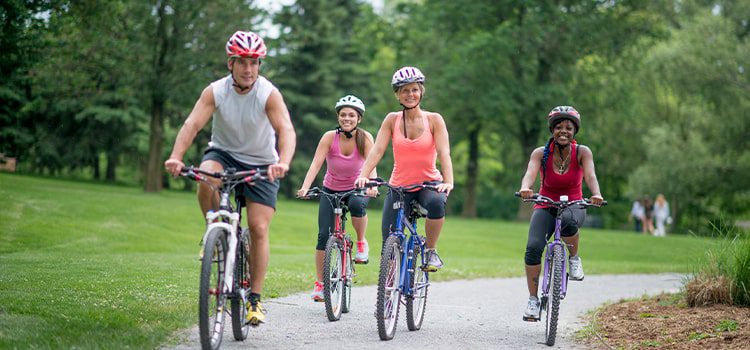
(530, 319)
(361, 262)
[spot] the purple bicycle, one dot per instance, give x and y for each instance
(555, 275)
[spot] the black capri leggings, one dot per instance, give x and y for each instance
(356, 204)
(543, 226)
(431, 200)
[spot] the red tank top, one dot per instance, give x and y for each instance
(568, 184)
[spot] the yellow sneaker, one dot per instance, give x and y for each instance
(256, 314)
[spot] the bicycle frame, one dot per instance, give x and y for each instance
(407, 247)
(556, 241)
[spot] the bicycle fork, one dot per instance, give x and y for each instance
(230, 228)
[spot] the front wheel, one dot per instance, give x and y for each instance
(211, 299)
(389, 295)
(555, 283)
(240, 329)
(333, 283)
(416, 302)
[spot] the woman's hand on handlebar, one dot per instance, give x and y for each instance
(372, 192)
(597, 199)
(526, 193)
(445, 187)
(302, 192)
(361, 182)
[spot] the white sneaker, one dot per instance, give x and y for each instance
(532, 310)
(576, 268)
(317, 293)
(363, 253)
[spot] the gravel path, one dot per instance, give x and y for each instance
(484, 313)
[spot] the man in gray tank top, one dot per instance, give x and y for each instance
(248, 114)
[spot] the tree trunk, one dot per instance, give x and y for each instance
(472, 174)
(156, 143)
(95, 166)
(110, 175)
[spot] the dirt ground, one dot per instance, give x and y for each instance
(665, 322)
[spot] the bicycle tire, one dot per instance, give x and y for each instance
(211, 326)
(240, 328)
(389, 295)
(415, 303)
(347, 291)
(332, 281)
(553, 309)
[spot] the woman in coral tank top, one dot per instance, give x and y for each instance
(419, 138)
(343, 150)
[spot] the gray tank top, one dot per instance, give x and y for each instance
(240, 124)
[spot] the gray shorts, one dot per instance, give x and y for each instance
(262, 192)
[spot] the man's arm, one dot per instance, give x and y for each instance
(279, 117)
(202, 112)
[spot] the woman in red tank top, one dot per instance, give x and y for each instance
(563, 165)
(419, 139)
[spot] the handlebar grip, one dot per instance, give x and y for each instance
(517, 194)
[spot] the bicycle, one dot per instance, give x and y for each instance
(338, 264)
(554, 286)
(225, 245)
(403, 275)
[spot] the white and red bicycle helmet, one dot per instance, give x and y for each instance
(246, 44)
(351, 101)
(406, 75)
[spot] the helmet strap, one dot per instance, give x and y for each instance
(348, 134)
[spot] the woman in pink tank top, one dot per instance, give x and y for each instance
(563, 165)
(419, 139)
(343, 150)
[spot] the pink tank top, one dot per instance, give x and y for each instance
(568, 184)
(341, 170)
(414, 160)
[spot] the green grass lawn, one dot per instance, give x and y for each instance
(87, 265)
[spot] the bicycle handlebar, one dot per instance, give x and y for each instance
(375, 182)
(540, 199)
(316, 192)
(227, 175)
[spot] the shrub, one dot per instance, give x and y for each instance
(723, 277)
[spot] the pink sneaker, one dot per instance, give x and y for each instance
(317, 294)
(363, 252)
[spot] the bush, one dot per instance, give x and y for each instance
(724, 276)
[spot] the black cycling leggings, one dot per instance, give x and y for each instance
(542, 226)
(431, 200)
(356, 204)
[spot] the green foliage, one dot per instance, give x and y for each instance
(726, 326)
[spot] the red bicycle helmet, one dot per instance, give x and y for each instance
(561, 113)
(246, 44)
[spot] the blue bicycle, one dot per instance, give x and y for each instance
(403, 276)
(555, 275)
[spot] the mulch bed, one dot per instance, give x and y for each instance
(660, 323)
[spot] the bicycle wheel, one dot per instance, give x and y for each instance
(347, 291)
(241, 287)
(389, 295)
(212, 300)
(333, 284)
(415, 303)
(553, 307)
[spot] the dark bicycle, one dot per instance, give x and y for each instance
(338, 265)
(225, 255)
(403, 274)
(555, 276)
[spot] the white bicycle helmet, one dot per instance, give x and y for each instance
(406, 75)
(351, 101)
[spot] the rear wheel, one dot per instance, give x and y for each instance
(241, 288)
(333, 284)
(347, 292)
(555, 282)
(211, 300)
(389, 295)
(415, 304)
